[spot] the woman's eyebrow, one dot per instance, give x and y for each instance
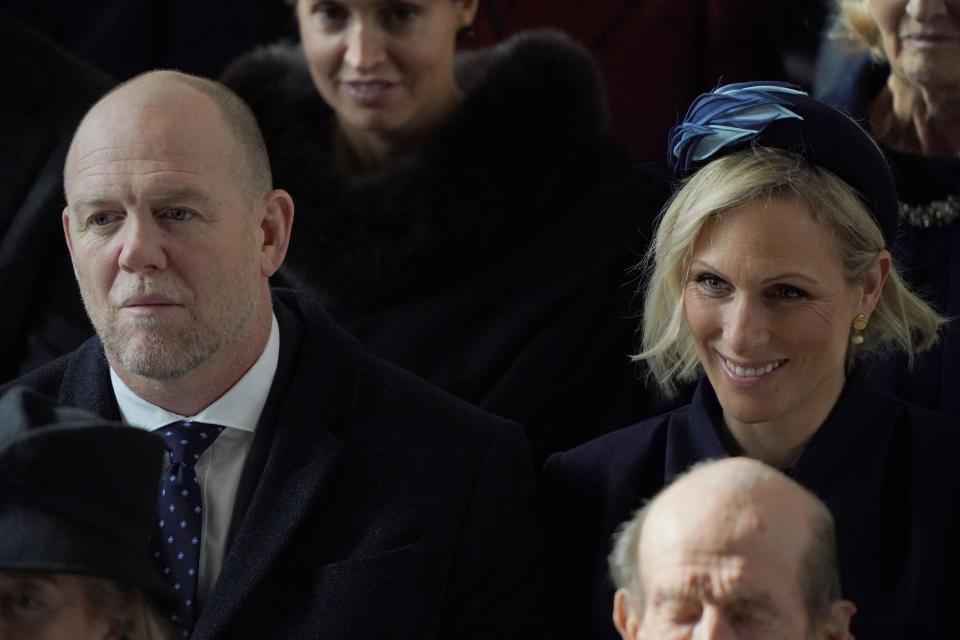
(791, 274)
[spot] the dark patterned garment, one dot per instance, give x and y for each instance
(927, 250)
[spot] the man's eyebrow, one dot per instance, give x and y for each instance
(160, 198)
(753, 599)
(757, 599)
(676, 595)
(178, 194)
(93, 203)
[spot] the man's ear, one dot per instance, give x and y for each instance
(837, 626)
(275, 227)
(873, 282)
(65, 218)
(625, 619)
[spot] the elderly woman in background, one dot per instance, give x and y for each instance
(770, 274)
(77, 499)
(906, 87)
(464, 216)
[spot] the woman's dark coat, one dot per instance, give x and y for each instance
(888, 471)
(492, 260)
(929, 258)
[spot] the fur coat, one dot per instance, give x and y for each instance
(491, 260)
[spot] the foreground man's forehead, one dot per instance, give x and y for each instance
(726, 484)
(132, 137)
(718, 505)
(154, 105)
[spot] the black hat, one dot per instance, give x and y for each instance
(77, 493)
(773, 114)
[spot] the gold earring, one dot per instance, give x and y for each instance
(859, 324)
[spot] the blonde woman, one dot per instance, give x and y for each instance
(770, 279)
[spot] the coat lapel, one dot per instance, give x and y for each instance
(694, 436)
(86, 382)
(293, 479)
(860, 422)
(319, 392)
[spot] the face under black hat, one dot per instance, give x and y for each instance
(77, 493)
(777, 115)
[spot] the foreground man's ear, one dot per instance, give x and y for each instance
(65, 219)
(275, 225)
(625, 619)
(837, 627)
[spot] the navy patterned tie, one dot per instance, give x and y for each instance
(177, 540)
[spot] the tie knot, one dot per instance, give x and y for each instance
(186, 441)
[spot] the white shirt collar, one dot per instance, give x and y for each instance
(238, 408)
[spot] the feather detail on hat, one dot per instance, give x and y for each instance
(727, 116)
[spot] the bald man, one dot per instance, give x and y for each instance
(312, 490)
(732, 549)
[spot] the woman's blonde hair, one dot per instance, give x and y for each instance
(856, 26)
(901, 320)
(130, 610)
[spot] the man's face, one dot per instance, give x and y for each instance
(737, 577)
(163, 238)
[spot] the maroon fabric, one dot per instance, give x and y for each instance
(656, 55)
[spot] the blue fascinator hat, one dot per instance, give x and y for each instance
(735, 117)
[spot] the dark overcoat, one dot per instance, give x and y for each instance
(888, 471)
(371, 505)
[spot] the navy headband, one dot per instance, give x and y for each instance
(777, 115)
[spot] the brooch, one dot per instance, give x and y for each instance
(938, 213)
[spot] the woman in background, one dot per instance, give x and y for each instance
(906, 88)
(465, 217)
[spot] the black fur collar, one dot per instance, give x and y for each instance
(525, 143)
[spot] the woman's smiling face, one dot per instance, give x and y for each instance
(770, 310)
(921, 39)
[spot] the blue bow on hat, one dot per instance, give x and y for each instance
(731, 114)
(776, 115)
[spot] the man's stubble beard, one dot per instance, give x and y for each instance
(146, 348)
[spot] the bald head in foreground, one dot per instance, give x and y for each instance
(312, 490)
(731, 549)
